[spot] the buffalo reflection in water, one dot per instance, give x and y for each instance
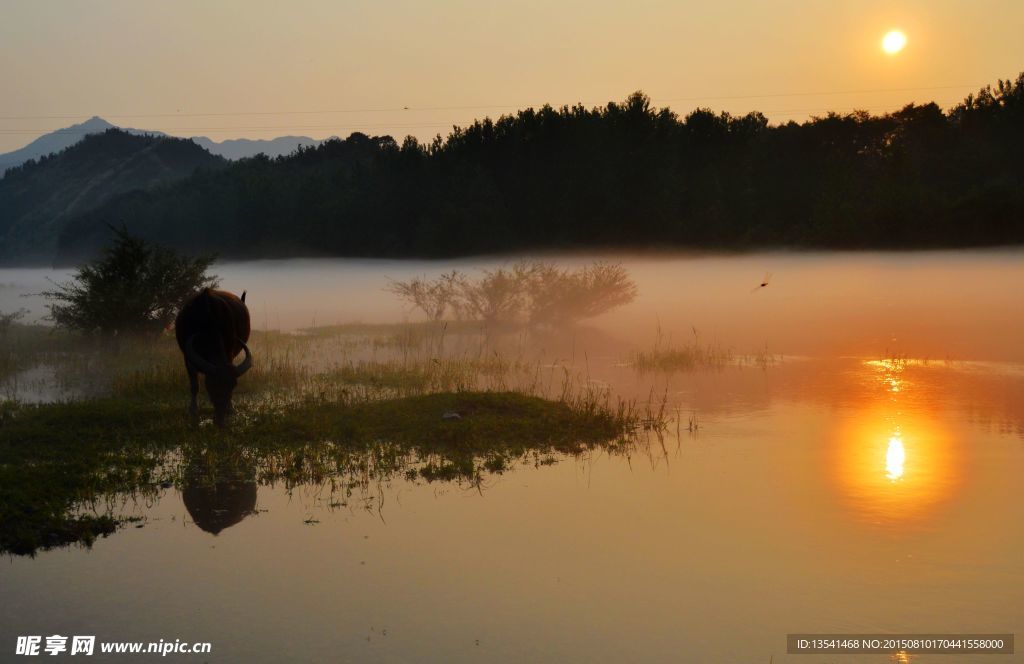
(216, 504)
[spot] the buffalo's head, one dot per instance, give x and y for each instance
(221, 379)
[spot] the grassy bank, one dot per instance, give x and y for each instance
(316, 408)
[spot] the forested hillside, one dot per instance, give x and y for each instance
(622, 175)
(39, 197)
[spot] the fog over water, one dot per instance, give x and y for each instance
(956, 304)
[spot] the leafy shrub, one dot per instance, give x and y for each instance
(134, 287)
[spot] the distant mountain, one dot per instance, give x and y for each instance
(240, 148)
(39, 197)
(235, 148)
(238, 211)
(53, 142)
(61, 139)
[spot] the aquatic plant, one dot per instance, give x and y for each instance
(694, 355)
(683, 357)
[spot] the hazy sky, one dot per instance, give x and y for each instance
(262, 69)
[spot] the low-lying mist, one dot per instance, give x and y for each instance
(959, 305)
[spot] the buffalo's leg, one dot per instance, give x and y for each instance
(193, 383)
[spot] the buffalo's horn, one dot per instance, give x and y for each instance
(197, 360)
(246, 363)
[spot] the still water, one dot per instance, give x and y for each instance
(867, 480)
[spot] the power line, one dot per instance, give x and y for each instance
(824, 94)
(69, 130)
(785, 112)
(394, 109)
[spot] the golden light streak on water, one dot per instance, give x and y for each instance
(895, 457)
(893, 461)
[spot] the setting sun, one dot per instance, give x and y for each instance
(893, 42)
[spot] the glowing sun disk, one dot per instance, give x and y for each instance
(893, 42)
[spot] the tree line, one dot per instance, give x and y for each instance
(623, 175)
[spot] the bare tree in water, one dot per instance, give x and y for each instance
(558, 295)
(432, 297)
(536, 292)
(499, 296)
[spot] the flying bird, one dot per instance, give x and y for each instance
(764, 282)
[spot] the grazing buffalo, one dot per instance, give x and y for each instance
(212, 329)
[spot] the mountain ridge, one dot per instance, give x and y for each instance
(242, 148)
(53, 142)
(232, 148)
(38, 197)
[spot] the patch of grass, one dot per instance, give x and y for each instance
(761, 358)
(61, 459)
(694, 356)
(394, 330)
(686, 357)
(22, 346)
(487, 421)
(402, 338)
(58, 459)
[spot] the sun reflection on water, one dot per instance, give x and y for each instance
(900, 657)
(895, 457)
(894, 462)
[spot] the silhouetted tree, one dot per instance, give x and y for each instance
(134, 287)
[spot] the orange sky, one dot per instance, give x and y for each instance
(262, 69)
